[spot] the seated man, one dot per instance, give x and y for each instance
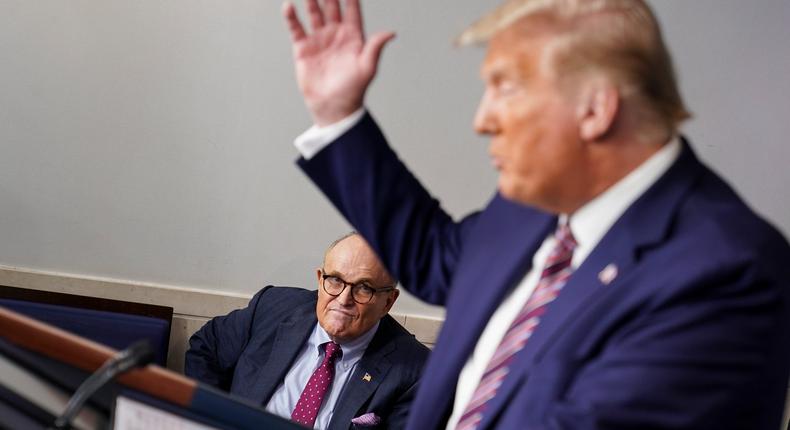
(321, 359)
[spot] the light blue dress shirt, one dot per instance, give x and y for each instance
(286, 396)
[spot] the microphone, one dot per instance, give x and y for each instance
(137, 355)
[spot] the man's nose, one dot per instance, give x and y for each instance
(484, 122)
(346, 297)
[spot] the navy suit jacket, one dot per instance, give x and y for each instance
(249, 351)
(693, 332)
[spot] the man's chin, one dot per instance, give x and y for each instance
(340, 336)
(337, 327)
(510, 192)
(523, 193)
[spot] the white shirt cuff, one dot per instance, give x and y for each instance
(317, 138)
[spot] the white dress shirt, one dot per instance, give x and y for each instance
(588, 225)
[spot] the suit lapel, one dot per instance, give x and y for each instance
(504, 243)
(289, 340)
(368, 375)
(644, 224)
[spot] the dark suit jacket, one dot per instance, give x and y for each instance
(249, 351)
(693, 332)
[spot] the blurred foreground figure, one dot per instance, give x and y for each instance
(613, 282)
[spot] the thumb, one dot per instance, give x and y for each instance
(371, 52)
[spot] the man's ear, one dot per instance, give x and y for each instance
(318, 273)
(599, 105)
(391, 300)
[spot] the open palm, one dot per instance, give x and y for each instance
(334, 64)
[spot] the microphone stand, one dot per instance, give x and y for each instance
(138, 354)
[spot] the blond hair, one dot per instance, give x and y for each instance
(620, 38)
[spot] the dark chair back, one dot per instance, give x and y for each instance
(114, 323)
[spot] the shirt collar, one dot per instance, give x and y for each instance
(352, 350)
(595, 218)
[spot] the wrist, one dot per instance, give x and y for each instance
(327, 115)
(317, 138)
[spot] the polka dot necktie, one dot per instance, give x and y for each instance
(309, 403)
(554, 276)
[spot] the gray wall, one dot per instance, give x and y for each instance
(151, 140)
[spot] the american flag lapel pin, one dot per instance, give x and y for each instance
(367, 377)
(607, 275)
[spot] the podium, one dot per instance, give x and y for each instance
(41, 366)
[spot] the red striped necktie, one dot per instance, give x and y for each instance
(554, 276)
(306, 410)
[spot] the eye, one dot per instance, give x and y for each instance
(365, 289)
(334, 280)
(507, 87)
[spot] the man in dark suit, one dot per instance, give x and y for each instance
(287, 341)
(614, 282)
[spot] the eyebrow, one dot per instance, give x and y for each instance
(492, 73)
(359, 281)
(496, 75)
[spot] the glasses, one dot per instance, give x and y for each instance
(361, 292)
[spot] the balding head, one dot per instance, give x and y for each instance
(351, 263)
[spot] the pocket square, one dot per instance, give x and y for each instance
(367, 420)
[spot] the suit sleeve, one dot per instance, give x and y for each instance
(215, 349)
(416, 239)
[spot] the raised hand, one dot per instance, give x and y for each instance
(334, 64)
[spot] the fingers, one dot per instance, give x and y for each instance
(319, 17)
(353, 14)
(316, 14)
(371, 52)
(294, 25)
(332, 11)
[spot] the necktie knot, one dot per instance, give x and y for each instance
(564, 237)
(332, 351)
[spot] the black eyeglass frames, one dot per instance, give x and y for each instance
(362, 293)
